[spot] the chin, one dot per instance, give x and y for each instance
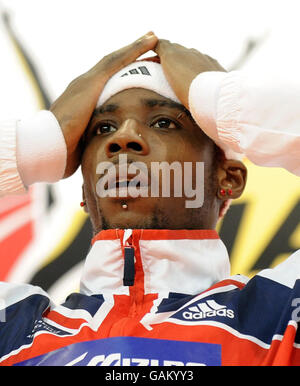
(144, 214)
(127, 225)
(129, 214)
(128, 220)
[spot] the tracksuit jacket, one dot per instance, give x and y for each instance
(163, 297)
(157, 298)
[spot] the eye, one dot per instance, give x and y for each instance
(164, 123)
(104, 128)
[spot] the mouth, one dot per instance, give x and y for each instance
(132, 181)
(128, 183)
(117, 182)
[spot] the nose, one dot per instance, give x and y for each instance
(128, 138)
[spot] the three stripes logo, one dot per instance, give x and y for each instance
(141, 70)
(207, 309)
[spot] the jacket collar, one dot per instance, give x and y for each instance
(180, 261)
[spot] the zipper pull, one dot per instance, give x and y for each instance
(129, 271)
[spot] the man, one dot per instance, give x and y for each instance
(156, 288)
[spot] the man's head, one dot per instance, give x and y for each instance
(146, 123)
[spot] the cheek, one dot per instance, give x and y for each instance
(169, 148)
(186, 151)
(89, 163)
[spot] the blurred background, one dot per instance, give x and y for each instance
(45, 235)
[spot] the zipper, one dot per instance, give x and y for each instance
(129, 259)
(133, 273)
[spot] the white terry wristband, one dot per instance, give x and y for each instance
(10, 181)
(206, 106)
(203, 99)
(41, 149)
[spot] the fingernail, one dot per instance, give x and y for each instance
(149, 35)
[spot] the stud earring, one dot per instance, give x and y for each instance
(224, 192)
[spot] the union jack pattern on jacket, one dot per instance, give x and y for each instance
(183, 308)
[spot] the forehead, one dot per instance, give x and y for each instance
(137, 98)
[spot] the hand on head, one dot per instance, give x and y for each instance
(181, 65)
(74, 108)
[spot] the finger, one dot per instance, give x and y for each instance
(137, 48)
(162, 46)
(126, 55)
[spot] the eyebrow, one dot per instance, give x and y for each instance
(165, 103)
(106, 109)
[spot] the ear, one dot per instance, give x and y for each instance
(232, 177)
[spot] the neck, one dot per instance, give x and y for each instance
(176, 261)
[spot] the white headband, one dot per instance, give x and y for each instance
(150, 76)
(143, 74)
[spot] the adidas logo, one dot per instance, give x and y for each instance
(207, 309)
(142, 70)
